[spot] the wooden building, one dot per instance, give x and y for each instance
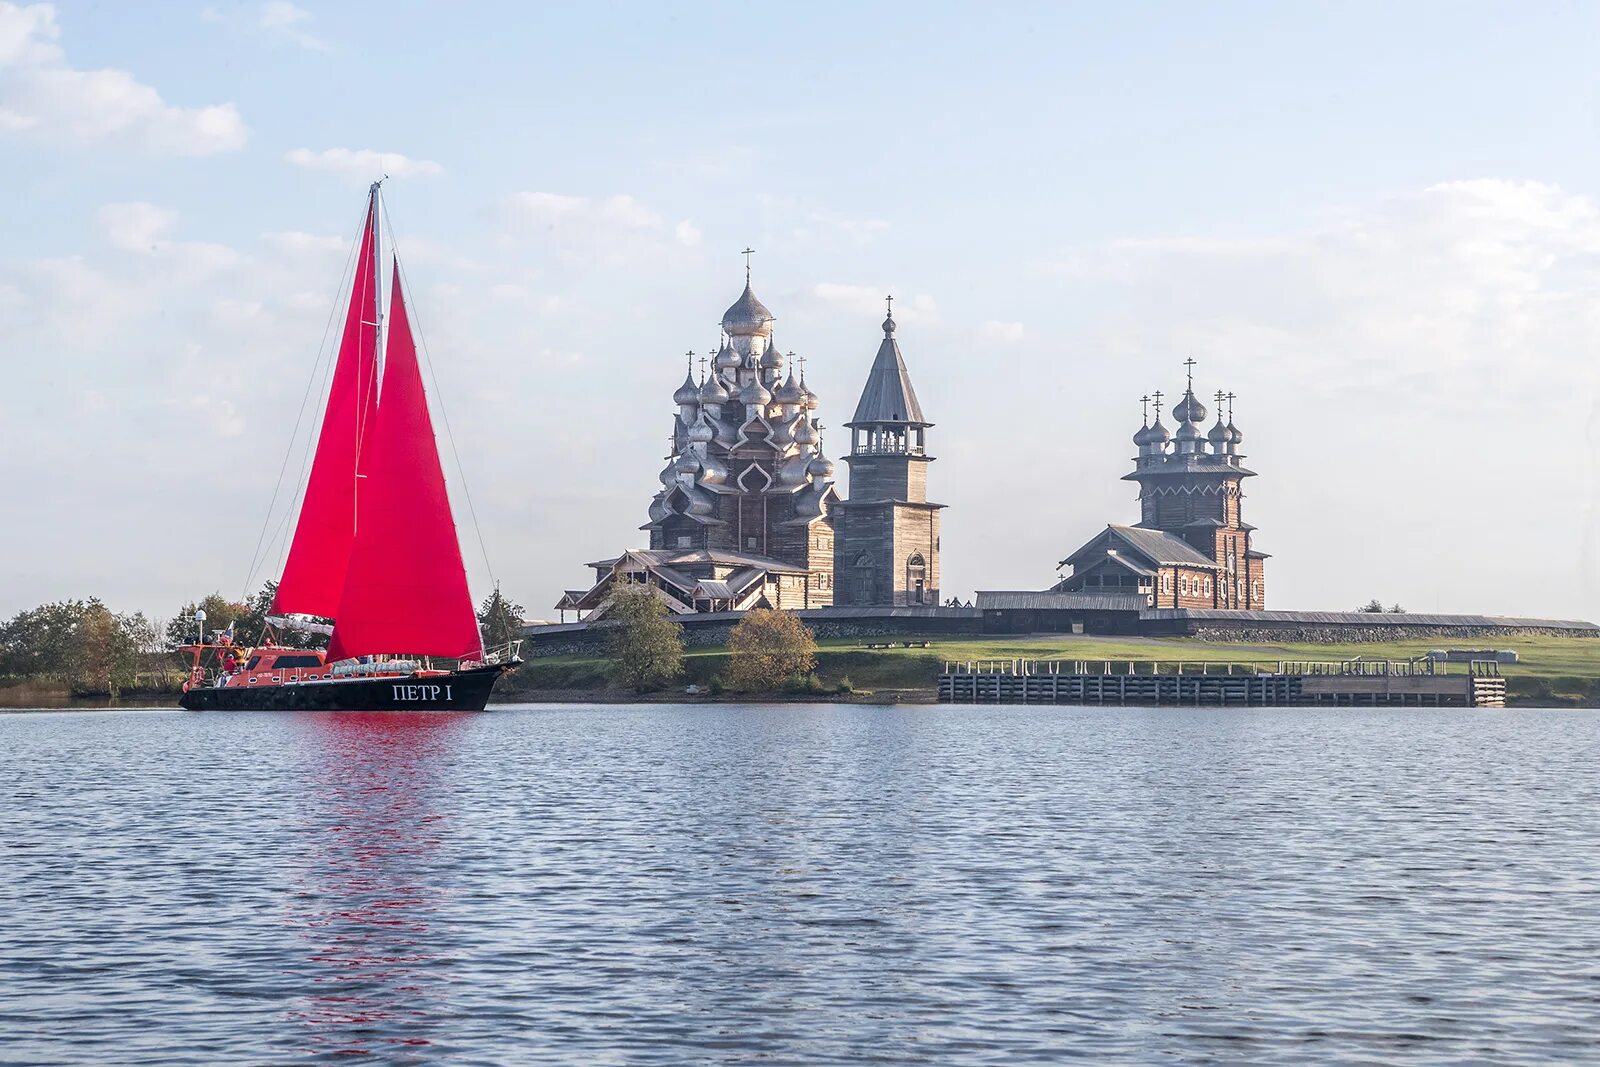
(748, 514)
(1191, 547)
(887, 533)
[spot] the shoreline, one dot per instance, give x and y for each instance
(1551, 672)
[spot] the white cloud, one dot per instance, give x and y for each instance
(1467, 277)
(363, 164)
(1008, 333)
(588, 233)
(42, 96)
(284, 20)
(136, 226)
(557, 211)
(545, 209)
(300, 243)
(803, 222)
(626, 211)
(920, 309)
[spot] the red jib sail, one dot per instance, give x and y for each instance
(406, 589)
(313, 575)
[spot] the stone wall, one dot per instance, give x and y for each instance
(711, 631)
(1357, 634)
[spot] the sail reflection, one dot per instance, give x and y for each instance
(371, 882)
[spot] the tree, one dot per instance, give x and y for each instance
(767, 648)
(220, 614)
(500, 620)
(1372, 607)
(646, 645)
(1397, 610)
(248, 618)
(43, 642)
(253, 623)
(112, 648)
(79, 643)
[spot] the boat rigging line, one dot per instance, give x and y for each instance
(264, 546)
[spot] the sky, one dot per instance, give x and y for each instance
(1377, 224)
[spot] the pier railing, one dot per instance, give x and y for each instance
(1356, 681)
(1357, 667)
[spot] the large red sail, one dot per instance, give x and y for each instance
(406, 589)
(313, 575)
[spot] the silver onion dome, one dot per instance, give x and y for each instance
(1189, 409)
(713, 392)
(1219, 435)
(748, 316)
(755, 393)
(820, 466)
(803, 433)
(727, 358)
(771, 358)
(702, 432)
(1188, 431)
(688, 392)
(790, 392)
(1235, 434)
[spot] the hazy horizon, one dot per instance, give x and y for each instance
(1379, 226)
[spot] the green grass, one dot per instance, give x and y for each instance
(1553, 670)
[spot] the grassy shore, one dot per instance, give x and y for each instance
(1554, 671)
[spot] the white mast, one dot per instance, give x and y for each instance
(377, 287)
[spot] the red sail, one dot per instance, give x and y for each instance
(313, 575)
(406, 588)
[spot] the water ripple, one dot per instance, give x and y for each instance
(801, 885)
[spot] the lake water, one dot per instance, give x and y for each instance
(801, 885)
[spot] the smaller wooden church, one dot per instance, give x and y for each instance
(1191, 547)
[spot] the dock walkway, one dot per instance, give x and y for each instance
(1369, 683)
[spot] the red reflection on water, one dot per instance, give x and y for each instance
(372, 877)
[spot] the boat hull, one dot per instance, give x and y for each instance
(462, 690)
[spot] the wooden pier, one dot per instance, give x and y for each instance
(1360, 683)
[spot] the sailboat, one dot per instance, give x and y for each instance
(374, 548)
